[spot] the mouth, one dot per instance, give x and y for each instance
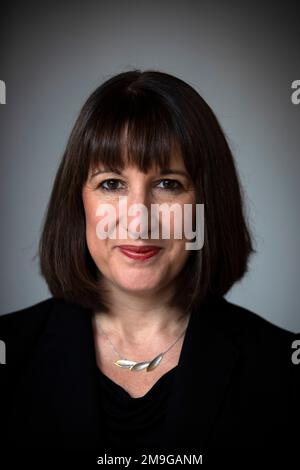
(139, 252)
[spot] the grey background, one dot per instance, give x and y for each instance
(241, 57)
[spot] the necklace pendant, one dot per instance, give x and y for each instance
(140, 366)
(155, 362)
(137, 366)
(124, 363)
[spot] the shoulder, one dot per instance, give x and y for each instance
(25, 320)
(253, 336)
(252, 324)
(21, 329)
(34, 315)
(242, 320)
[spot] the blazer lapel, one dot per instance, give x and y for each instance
(204, 373)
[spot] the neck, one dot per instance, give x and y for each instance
(137, 318)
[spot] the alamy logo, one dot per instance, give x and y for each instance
(2, 352)
(175, 221)
(296, 354)
(2, 92)
(295, 96)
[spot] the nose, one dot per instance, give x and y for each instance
(138, 194)
(138, 214)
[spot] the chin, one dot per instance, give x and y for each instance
(138, 287)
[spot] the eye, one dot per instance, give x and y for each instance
(112, 185)
(172, 185)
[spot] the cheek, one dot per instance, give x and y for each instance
(177, 257)
(178, 252)
(91, 223)
(181, 221)
(91, 219)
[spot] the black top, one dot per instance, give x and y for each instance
(235, 387)
(130, 420)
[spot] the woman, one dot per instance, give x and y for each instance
(137, 346)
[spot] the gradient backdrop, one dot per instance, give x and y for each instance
(242, 58)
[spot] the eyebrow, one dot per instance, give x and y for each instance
(166, 171)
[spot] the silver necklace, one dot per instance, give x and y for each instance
(137, 366)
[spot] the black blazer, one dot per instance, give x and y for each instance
(235, 386)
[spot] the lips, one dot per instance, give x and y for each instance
(140, 249)
(139, 253)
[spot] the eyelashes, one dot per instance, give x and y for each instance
(172, 186)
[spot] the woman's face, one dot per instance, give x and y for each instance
(157, 272)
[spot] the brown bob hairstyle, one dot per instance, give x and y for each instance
(160, 110)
